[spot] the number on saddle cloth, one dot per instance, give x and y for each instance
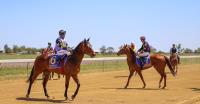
(141, 61)
(55, 61)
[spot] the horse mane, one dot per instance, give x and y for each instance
(133, 54)
(72, 57)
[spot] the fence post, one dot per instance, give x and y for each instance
(103, 65)
(27, 69)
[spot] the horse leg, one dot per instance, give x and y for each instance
(129, 77)
(164, 81)
(45, 80)
(75, 78)
(32, 79)
(161, 71)
(176, 68)
(58, 76)
(52, 75)
(67, 78)
(141, 76)
(161, 78)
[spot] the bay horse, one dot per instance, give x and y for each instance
(158, 61)
(70, 69)
(174, 61)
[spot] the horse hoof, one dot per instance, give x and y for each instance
(48, 97)
(72, 97)
(143, 86)
(53, 97)
(125, 87)
(163, 87)
(66, 98)
(27, 96)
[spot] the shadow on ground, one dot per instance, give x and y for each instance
(42, 100)
(135, 88)
(195, 89)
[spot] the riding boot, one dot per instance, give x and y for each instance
(141, 63)
(178, 59)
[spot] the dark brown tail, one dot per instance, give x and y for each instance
(170, 66)
(32, 71)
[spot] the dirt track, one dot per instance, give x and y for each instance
(107, 88)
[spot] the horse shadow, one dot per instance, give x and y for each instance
(42, 100)
(135, 88)
(195, 89)
(120, 76)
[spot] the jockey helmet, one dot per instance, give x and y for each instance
(62, 32)
(49, 43)
(142, 38)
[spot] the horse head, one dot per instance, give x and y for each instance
(44, 53)
(86, 47)
(123, 50)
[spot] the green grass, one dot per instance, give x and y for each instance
(21, 72)
(104, 66)
(186, 61)
(16, 56)
(12, 73)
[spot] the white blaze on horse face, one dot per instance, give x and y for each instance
(89, 45)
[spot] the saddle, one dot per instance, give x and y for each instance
(57, 61)
(174, 56)
(142, 61)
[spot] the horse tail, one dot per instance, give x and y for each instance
(170, 66)
(32, 71)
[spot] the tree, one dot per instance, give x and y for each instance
(187, 50)
(179, 48)
(23, 48)
(197, 50)
(7, 49)
(103, 49)
(15, 48)
(153, 50)
(161, 52)
(110, 50)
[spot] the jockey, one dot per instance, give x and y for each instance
(49, 48)
(144, 51)
(133, 47)
(173, 50)
(61, 45)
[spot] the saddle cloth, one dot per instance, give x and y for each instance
(142, 61)
(57, 61)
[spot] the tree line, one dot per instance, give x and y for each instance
(180, 49)
(102, 50)
(21, 49)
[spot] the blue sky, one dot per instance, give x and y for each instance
(107, 22)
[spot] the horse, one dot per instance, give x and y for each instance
(70, 69)
(158, 61)
(174, 61)
(49, 52)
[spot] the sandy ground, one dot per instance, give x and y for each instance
(107, 88)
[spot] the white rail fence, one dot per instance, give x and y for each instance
(84, 60)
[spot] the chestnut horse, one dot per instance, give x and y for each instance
(70, 69)
(157, 61)
(174, 61)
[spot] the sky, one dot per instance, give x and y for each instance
(34, 23)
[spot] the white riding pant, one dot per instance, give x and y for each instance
(143, 54)
(62, 52)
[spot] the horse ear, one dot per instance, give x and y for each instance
(88, 39)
